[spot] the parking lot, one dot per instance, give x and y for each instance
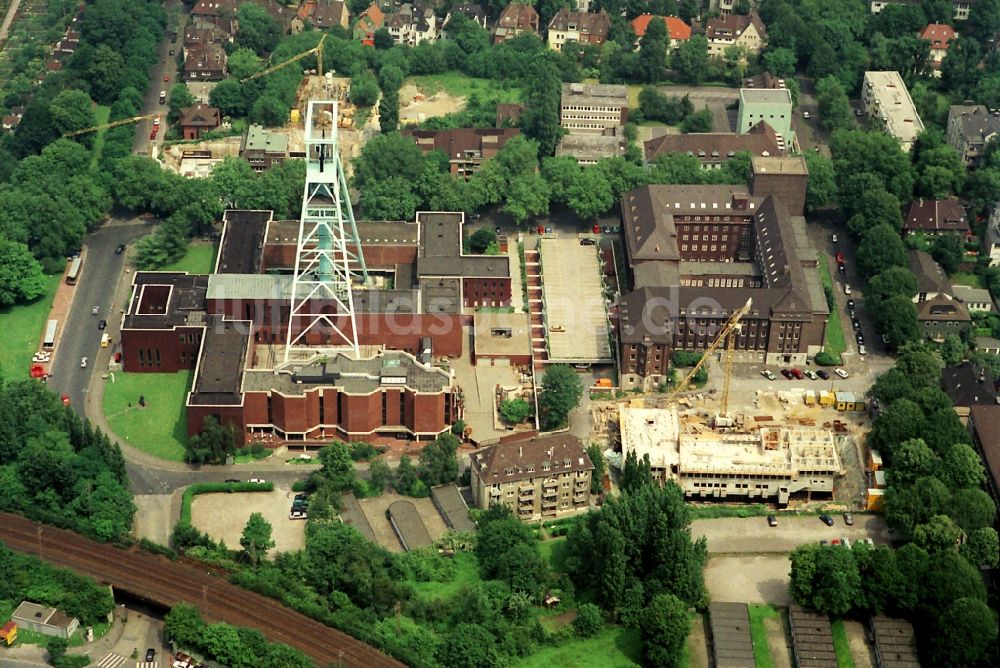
(733, 535)
(749, 578)
(222, 516)
(574, 301)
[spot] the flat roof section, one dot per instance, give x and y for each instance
(452, 507)
(575, 311)
(895, 643)
(242, 241)
(812, 638)
(439, 250)
(184, 305)
(249, 286)
(501, 334)
(731, 640)
(220, 365)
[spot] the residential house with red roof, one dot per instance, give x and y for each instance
(515, 19)
(370, 21)
(678, 31)
(939, 35)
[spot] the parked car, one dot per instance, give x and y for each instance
(859, 337)
(847, 288)
(855, 324)
(772, 521)
(118, 357)
(41, 357)
(839, 257)
(257, 481)
(849, 519)
(152, 135)
(797, 373)
(150, 654)
(588, 242)
(805, 114)
(841, 373)
(835, 541)
(850, 304)
(231, 480)
(787, 374)
(869, 542)
(119, 249)
(834, 238)
(826, 519)
(608, 229)
(65, 400)
(548, 230)
(845, 541)
(102, 324)
(810, 374)
(862, 350)
(823, 374)
(767, 373)
(297, 515)
(83, 363)
(156, 122)
(842, 269)
(171, 52)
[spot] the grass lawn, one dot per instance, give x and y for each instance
(466, 572)
(834, 341)
(460, 85)
(22, 327)
(612, 647)
(199, 259)
(761, 652)
(842, 645)
(161, 427)
(971, 280)
(101, 116)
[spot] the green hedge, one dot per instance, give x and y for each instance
(214, 487)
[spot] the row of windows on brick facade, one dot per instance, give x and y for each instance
(697, 237)
(146, 357)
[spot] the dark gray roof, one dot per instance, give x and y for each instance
(440, 250)
(509, 462)
(731, 641)
(984, 422)
(408, 526)
(164, 300)
(452, 507)
(930, 277)
(761, 139)
(895, 643)
(942, 309)
(812, 638)
(975, 122)
(220, 364)
(242, 241)
(968, 385)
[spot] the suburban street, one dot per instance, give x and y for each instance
(167, 66)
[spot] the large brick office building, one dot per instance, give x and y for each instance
(695, 254)
(230, 327)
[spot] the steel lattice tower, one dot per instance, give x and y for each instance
(328, 257)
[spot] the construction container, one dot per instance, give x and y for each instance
(874, 500)
(810, 397)
(825, 398)
(294, 116)
(849, 402)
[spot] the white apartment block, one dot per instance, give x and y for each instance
(887, 102)
(592, 109)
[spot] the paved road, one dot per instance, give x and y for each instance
(8, 19)
(165, 66)
(101, 272)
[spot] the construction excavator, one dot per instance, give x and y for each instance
(318, 50)
(107, 126)
(727, 335)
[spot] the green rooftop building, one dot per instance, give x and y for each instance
(773, 105)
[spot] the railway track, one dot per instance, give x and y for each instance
(158, 580)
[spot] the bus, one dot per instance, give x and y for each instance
(74, 271)
(50, 335)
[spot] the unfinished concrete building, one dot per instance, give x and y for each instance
(769, 464)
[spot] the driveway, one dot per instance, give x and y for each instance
(752, 535)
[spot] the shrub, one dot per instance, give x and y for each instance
(588, 620)
(826, 359)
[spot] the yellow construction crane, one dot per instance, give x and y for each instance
(726, 335)
(318, 50)
(106, 126)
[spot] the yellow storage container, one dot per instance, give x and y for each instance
(295, 116)
(810, 398)
(825, 398)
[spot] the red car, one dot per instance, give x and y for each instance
(65, 400)
(118, 357)
(840, 258)
(797, 373)
(152, 135)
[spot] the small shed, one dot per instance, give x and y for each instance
(44, 620)
(848, 402)
(874, 500)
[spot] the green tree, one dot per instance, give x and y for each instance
(337, 466)
(961, 467)
(972, 509)
(438, 460)
(212, 445)
(72, 110)
(891, 282)
(105, 74)
(779, 61)
(256, 538)
(231, 97)
(664, 626)
(939, 533)
(896, 318)
(691, 59)
(364, 88)
(857, 152)
(56, 650)
(825, 579)
(481, 240)
(470, 646)
(948, 578)
(515, 411)
(912, 459)
(948, 250)
(589, 620)
(908, 507)
(821, 190)
(258, 31)
(242, 63)
(269, 110)
(542, 94)
(381, 474)
(834, 107)
(406, 475)
(982, 548)
(600, 467)
(561, 392)
(965, 634)
(391, 199)
(653, 51)
(699, 121)
(180, 98)
(21, 277)
(881, 248)
(506, 550)
(635, 473)
(386, 156)
(590, 195)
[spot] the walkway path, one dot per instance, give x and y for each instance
(7, 20)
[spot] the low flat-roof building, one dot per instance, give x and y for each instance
(970, 129)
(263, 148)
(593, 108)
(732, 644)
(977, 300)
(501, 336)
(767, 464)
(713, 149)
(812, 638)
(45, 620)
(887, 102)
(588, 149)
(538, 478)
(895, 642)
(773, 105)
